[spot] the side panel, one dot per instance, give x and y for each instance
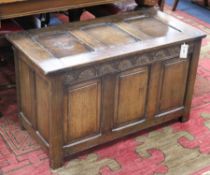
(42, 98)
(27, 92)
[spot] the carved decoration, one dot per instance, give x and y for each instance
(125, 64)
(122, 64)
(105, 69)
(88, 73)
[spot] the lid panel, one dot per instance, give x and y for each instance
(79, 44)
(109, 34)
(62, 44)
(152, 26)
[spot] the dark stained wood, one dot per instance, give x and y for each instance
(130, 107)
(17, 75)
(152, 27)
(103, 33)
(26, 125)
(66, 45)
(108, 94)
(175, 4)
(84, 104)
(17, 8)
(9, 1)
(48, 63)
(42, 98)
(79, 88)
(154, 89)
(56, 123)
(27, 92)
(191, 81)
(117, 133)
(175, 74)
(161, 4)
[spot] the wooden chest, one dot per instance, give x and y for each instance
(87, 83)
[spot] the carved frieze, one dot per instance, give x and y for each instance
(122, 64)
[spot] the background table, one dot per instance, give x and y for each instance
(18, 8)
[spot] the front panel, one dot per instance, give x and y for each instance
(130, 96)
(174, 78)
(82, 111)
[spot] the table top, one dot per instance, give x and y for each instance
(84, 43)
(10, 1)
(18, 8)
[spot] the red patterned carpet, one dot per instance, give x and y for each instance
(176, 149)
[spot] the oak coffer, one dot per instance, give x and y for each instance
(86, 83)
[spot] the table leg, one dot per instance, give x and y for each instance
(206, 3)
(175, 5)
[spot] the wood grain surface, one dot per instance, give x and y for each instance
(10, 1)
(87, 83)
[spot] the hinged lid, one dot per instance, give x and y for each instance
(71, 45)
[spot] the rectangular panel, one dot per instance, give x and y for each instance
(61, 44)
(109, 34)
(26, 78)
(131, 95)
(173, 83)
(152, 27)
(82, 116)
(42, 98)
